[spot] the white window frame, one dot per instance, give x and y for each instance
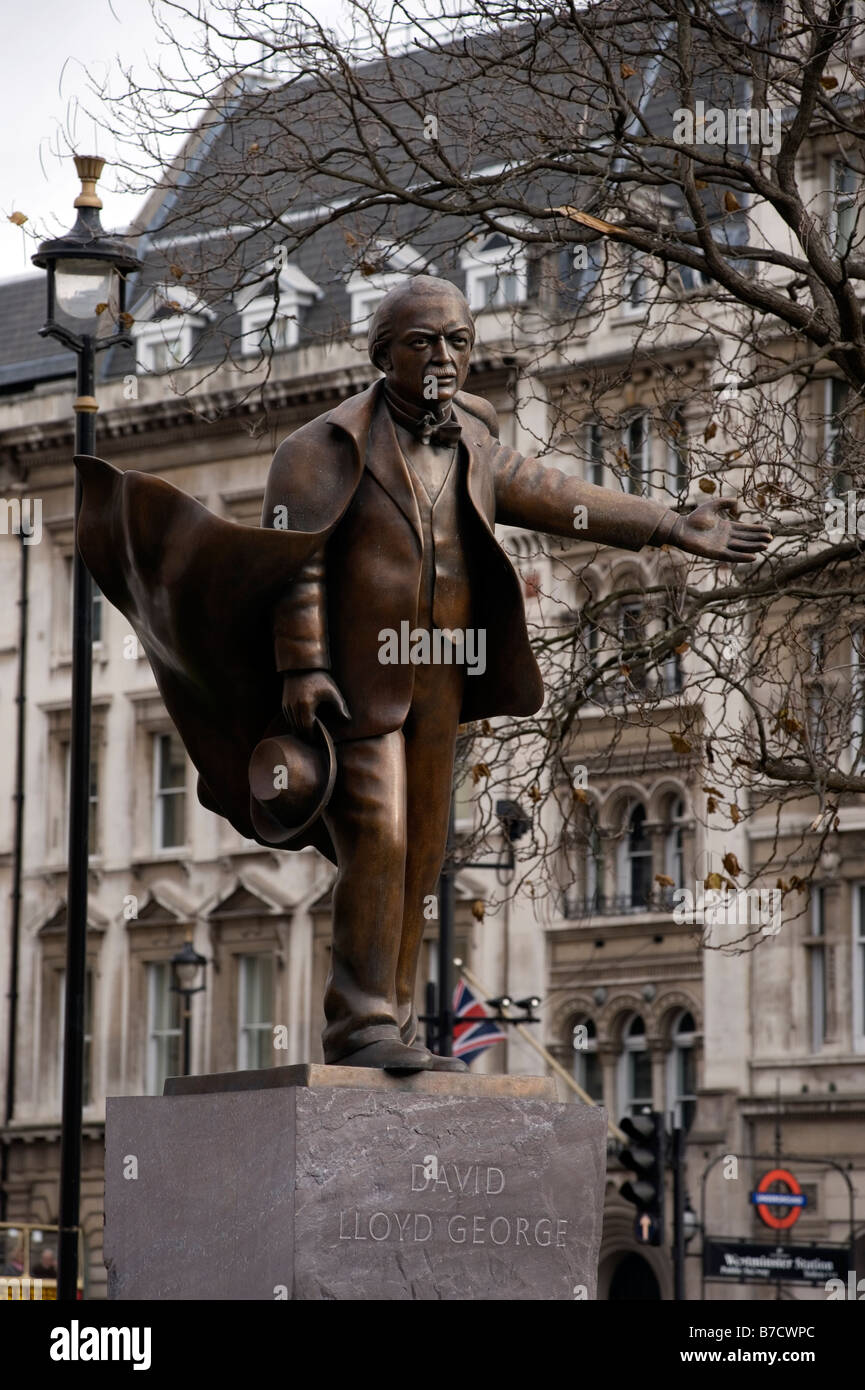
(366, 291)
(465, 805)
(593, 866)
(160, 792)
(94, 848)
(580, 1056)
(857, 693)
(831, 431)
(816, 699)
(817, 1012)
(625, 885)
(631, 606)
(244, 1027)
(174, 333)
(258, 323)
(843, 200)
(89, 987)
(630, 1045)
(480, 263)
(98, 611)
(858, 972)
(636, 275)
(679, 1043)
(258, 311)
(693, 280)
(645, 454)
(595, 471)
(677, 456)
(160, 970)
(674, 844)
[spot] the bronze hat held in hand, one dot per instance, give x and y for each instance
(378, 513)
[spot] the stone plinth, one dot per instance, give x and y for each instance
(345, 1183)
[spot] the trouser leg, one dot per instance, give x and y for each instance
(366, 818)
(430, 734)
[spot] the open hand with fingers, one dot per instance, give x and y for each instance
(714, 532)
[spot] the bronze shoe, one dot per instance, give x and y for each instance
(387, 1055)
(446, 1063)
(437, 1063)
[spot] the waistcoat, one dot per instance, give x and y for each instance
(444, 597)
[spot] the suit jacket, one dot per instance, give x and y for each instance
(365, 577)
(221, 608)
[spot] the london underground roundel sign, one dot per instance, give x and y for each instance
(770, 1202)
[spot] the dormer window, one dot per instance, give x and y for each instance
(496, 271)
(165, 328)
(382, 269)
(270, 325)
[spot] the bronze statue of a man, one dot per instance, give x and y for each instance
(375, 573)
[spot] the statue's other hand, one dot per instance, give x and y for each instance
(305, 695)
(713, 531)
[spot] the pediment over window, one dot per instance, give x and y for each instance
(252, 898)
(294, 285)
(266, 321)
(156, 913)
(166, 320)
(56, 923)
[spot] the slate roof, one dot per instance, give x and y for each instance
(218, 155)
(25, 358)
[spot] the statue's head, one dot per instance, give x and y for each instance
(421, 337)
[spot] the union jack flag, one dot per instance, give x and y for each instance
(474, 1029)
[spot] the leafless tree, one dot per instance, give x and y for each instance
(693, 167)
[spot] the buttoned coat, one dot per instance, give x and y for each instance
(365, 579)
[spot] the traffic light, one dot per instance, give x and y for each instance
(645, 1157)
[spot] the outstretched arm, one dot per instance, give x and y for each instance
(539, 498)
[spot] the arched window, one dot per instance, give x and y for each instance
(587, 1064)
(674, 846)
(682, 1070)
(635, 1068)
(637, 443)
(635, 863)
(593, 867)
(632, 646)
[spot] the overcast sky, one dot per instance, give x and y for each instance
(46, 48)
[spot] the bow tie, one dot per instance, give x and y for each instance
(429, 432)
(427, 429)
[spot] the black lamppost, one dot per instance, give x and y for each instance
(87, 273)
(188, 969)
(515, 824)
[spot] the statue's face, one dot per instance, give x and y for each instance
(427, 358)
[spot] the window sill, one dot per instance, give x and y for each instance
(162, 856)
(62, 660)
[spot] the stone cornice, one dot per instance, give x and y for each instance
(279, 403)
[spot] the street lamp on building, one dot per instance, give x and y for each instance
(87, 273)
(188, 969)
